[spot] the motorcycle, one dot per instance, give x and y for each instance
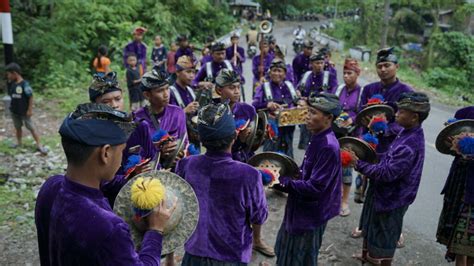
(251, 50)
(298, 44)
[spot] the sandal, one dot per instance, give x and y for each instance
(401, 242)
(14, 146)
(345, 212)
(43, 150)
(265, 250)
(356, 233)
(359, 257)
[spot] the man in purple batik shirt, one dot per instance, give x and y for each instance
(301, 63)
(66, 236)
(315, 196)
(138, 48)
(394, 181)
(230, 194)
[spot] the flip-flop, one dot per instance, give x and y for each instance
(265, 251)
(43, 150)
(14, 146)
(359, 257)
(345, 212)
(401, 242)
(356, 233)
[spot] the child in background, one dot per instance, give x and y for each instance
(159, 54)
(171, 63)
(21, 107)
(133, 83)
(101, 62)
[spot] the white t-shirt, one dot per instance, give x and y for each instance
(299, 33)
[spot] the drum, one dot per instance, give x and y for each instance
(183, 221)
(292, 116)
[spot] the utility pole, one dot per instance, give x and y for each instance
(7, 32)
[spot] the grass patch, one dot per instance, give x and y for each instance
(14, 204)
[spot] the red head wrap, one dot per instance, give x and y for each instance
(352, 64)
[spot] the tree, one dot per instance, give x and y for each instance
(386, 17)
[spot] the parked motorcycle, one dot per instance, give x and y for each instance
(298, 44)
(251, 50)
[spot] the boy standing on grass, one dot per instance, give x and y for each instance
(133, 83)
(159, 54)
(21, 107)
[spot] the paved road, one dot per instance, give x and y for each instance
(422, 217)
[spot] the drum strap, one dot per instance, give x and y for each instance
(156, 123)
(177, 96)
(228, 65)
(304, 80)
(342, 86)
(360, 97)
(339, 90)
(209, 75)
(268, 91)
(325, 80)
(292, 90)
(209, 71)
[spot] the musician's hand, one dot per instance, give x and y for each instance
(347, 123)
(302, 103)
(179, 157)
(191, 108)
(298, 93)
(354, 157)
(206, 85)
(365, 120)
(141, 168)
(160, 215)
(244, 134)
(168, 148)
(272, 106)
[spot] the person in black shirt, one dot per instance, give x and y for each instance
(137, 99)
(21, 107)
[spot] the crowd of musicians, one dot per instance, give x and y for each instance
(194, 123)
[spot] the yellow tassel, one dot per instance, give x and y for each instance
(147, 193)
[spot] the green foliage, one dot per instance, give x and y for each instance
(454, 49)
(56, 41)
(448, 79)
(347, 31)
(462, 16)
(408, 19)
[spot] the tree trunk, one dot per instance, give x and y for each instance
(386, 17)
(434, 30)
(363, 20)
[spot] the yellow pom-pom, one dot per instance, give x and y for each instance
(147, 193)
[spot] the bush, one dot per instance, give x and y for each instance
(455, 50)
(55, 41)
(448, 79)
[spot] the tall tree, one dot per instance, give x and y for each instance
(386, 17)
